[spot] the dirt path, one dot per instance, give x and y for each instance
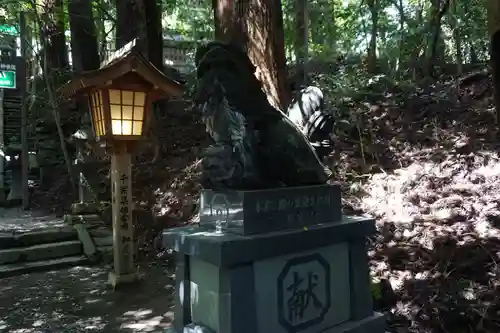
(78, 300)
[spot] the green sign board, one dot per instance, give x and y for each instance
(8, 30)
(7, 79)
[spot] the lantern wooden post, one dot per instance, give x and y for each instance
(124, 268)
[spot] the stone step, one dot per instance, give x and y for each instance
(89, 248)
(85, 208)
(49, 235)
(88, 219)
(41, 266)
(40, 252)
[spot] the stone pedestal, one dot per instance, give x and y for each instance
(313, 279)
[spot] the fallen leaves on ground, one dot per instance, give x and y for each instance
(434, 188)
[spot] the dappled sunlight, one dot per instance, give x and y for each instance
(457, 190)
(425, 163)
(79, 300)
(145, 320)
(438, 246)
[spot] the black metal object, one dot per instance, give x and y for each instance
(307, 112)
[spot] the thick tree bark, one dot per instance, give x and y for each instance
(154, 32)
(52, 29)
(84, 45)
(128, 22)
(257, 26)
(141, 19)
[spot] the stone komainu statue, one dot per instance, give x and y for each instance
(255, 145)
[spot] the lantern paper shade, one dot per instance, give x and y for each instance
(97, 107)
(127, 112)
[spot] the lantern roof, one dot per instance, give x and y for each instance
(122, 62)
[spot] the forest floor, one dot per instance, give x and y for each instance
(424, 160)
(434, 187)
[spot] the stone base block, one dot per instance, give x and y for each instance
(307, 281)
(374, 323)
(117, 282)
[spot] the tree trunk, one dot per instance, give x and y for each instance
(301, 41)
(128, 22)
(434, 53)
(153, 49)
(257, 26)
(141, 19)
(84, 46)
(154, 32)
(402, 20)
(474, 58)
(372, 49)
(456, 36)
(101, 30)
(52, 30)
(85, 55)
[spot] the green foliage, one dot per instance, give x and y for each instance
(191, 19)
(337, 27)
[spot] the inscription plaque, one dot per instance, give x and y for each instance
(261, 211)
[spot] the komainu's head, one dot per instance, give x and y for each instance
(219, 52)
(229, 65)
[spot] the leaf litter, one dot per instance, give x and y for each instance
(435, 195)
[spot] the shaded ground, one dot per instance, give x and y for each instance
(78, 300)
(14, 220)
